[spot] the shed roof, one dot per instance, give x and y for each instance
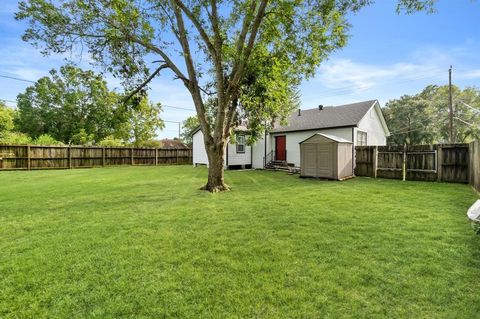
(329, 117)
(328, 136)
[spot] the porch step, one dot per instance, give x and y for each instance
(282, 166)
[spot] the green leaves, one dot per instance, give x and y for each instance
(139, 121)
(424, 118)
(412, 6)
(6, 118)
(64, 103)
(188, 126)
(46, 139)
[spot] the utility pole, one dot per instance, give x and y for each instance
(450, 106)
(179, 126)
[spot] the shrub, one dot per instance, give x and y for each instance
(15, 138)
(111, 141)
(46, 139)
(83, 138)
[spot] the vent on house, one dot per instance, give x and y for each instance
(299, 112)
(320, 107)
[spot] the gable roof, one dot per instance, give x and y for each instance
(238, 129)
(347, 115)
(330, 137)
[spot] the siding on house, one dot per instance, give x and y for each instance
(294, 138)
(372, 125)
(258, 152)
(235, 158)
(199, 155)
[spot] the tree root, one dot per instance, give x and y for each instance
(216, 188)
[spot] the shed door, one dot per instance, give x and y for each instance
(325, 160)
(310, 159)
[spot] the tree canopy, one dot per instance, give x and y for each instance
(423, 118)
(72, 105)
(141, 121)
(65, 102)
(6, 118)
(188, 126)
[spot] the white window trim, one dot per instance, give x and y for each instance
(243, 144)
(360, 141)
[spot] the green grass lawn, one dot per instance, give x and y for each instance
(144, 242)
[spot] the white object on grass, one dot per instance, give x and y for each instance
(474, 212)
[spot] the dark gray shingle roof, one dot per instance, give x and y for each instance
(329, 117)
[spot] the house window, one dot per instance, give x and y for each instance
(361, 138)
(241, 144)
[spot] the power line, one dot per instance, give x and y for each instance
(175, 122)
(15, 78)
(471, 107)
(463, 121)
(9, 101)
(171, 106)
(346, 89)
(30, 81)
(178, 107)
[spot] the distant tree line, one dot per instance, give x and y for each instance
(423, 118)
(75, 106)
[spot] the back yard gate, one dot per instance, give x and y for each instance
(458, 163)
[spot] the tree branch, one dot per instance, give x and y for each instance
(193, 86)
(145, 83)
(222, 100)
(251, 41)
(245, 27)
(243, 55)
(164, 56)
(198, 26)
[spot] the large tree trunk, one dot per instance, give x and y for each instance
(216, 181)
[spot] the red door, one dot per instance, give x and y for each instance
(280, 148)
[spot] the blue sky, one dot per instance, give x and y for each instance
(388, 55)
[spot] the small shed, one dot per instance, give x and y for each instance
(326, 156)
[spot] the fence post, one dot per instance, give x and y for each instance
(69, 153)
(28, 157)
(103, 156)
(375, 161)
(404, 164)
(131, 156)
(156, 156)
(176, 153)
(439, 163)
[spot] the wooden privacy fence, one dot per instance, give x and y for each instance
(29, 157)
(474, 167)
(439, 162)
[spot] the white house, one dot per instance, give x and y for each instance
(361, 123)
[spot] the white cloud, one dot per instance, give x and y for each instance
(344, 80)
(348, 75)
(472, 74)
